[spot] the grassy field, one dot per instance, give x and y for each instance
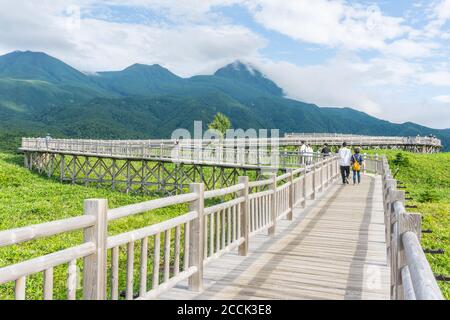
(427, 179)
(26, 198)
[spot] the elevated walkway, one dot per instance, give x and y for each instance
(333, 249)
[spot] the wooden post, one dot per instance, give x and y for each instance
(364, 162)
(406, 222)
(273, 207)
(391, 184)
(393, 232)
(291, 195)
(322, 166)
(25, 159)
(244, 217)
(376, 163)
(313, 196)
(303, 203)
(62, 168)
(335, 168)
(94, 272)
(196, 239)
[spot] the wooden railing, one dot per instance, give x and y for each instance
(362, 140)
(248, 154)
(217, 221)
(411, 274)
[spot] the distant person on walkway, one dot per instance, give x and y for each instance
(325, 150)
(357, 161)
(345, 156)
(47, 140)
(310, 152)
(303, 148)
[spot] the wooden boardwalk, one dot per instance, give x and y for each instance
(333, 249)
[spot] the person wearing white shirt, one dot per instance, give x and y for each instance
(345, 158)
(303, 148)
(309, 151)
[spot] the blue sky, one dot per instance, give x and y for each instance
(387, 58)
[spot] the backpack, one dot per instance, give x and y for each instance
(356, 165)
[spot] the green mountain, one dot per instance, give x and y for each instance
(139, 79)
(34, 81)
(242, 73)
(40, 94)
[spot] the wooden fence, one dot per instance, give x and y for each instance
(179, 247)
(411, 274)
(240, 154)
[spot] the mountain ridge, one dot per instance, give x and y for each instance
(39, 92)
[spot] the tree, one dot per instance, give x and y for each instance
(220, 123)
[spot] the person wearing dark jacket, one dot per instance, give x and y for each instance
(326, 150)
(356, 158)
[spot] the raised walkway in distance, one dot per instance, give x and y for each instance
(333, 249)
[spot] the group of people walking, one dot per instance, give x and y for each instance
(306, 152)
(348, 160)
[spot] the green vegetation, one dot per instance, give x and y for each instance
(26, 198)
(427, 179)
(220, 123)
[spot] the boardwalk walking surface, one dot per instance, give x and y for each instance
(333, 249)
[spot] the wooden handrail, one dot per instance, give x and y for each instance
(126, 211)
(422, 278)
(33, 232)
(236, 221)
(411, 275)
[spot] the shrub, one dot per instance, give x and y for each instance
(401, 160)
(428, 196)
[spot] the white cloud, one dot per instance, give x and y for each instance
(442, 99)
(329, 23)
(435, 78)
(337, 83)
(442, 11)
(439, 14)
(406, 48)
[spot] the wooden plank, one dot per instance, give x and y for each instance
(166, 271)
(424, 283)
(143, 269)
(176, 264)
(115, 273)
(48, 284)
(130, 271)
(94, 271)
(19, 291)
(156, 258)
(72, 280)
(243, 217)
(197, 238)
(37, 231)
(186, 246)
